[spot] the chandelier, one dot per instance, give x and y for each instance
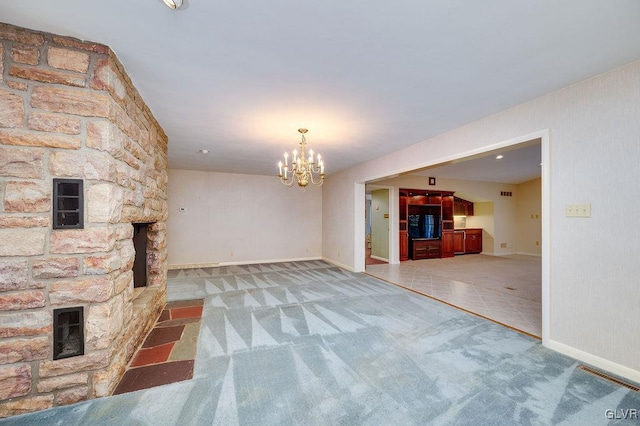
(302, 168)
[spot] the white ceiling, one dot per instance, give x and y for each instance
(365, 77)
(520, 163)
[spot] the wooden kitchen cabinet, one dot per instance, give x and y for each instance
(425, 249)
(458, 242)
(473, 240)
(462, 207)
(404, 245)
(447, 243)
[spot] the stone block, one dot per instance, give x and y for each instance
(124, 231)
(1, 62)
(11, 109)
(83, 45)
(156, 280)
(23, 350)
(20, 35)
(18, 85)
(105, 78)
(14, 275)
(15, 381)
(25, 323)
(127, 254)
(17, 301)
(71, 396)
(66, 59)
(27, 197)
(101, 265)
(25, 54)
(158, 226)
(38, 139)
(25, 405)
(89, 240)
(123, 282)
(88, 362)
(97, 166)
(55, 267)
(155, 260)
(51, 122)
(22, 242)
(48, 76)
(104, 323)
(71, 101)
(104, 202)
(21, 162)
(104, 382)
(62, 382)
(80, 291)
(98, 135)
(124, 122)
(24, 222)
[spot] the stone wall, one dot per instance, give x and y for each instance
(68, 110)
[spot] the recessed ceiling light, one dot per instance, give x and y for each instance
(173, 4)
(204, 151)
(499, 157)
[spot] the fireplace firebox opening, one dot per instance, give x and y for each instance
(140, 261)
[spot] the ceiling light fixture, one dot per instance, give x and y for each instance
(204, 151)
(499, 157)
(173, 4)
(302, 168)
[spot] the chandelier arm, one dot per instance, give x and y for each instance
(313, 181)
(287, 182)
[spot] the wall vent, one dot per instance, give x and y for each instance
(68, 332)
(609, 378)
(506, 193)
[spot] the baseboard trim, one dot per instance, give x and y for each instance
(511, 253)
(594, 360)
(380, 258)
(246, 262)
(194, 265)
(338, 264)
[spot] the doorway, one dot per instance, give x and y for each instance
(538, 245)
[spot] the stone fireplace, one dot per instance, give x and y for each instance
(70, 113)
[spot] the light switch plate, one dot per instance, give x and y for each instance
(578, 210)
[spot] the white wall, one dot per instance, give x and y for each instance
(530, 217)
(591, 296)
(234, 218)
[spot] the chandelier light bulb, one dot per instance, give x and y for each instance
(173, 4)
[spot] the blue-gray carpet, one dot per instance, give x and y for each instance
(307, 343)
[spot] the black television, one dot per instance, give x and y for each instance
(424, 226)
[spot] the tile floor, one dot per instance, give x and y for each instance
(168, 353)
(506, 289)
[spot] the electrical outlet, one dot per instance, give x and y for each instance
(578, 210)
